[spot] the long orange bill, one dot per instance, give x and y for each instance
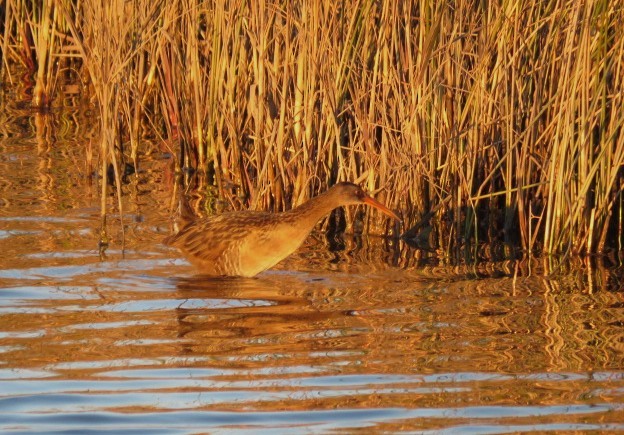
(379, 206)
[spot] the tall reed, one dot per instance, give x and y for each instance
(112, 38)
(495, 121)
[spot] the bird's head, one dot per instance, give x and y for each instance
(352, 194)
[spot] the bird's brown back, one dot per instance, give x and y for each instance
(209, 239)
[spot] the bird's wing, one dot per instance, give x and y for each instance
(210, 237)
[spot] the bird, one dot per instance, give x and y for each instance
(245, 243)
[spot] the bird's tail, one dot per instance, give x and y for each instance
(183, 216)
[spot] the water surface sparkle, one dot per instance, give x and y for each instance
(136, 342)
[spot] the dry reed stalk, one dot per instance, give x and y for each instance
(109, 37)
(502, 117)
(44, 40)
(8, 37)
(17, 40)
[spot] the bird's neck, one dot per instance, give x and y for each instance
(311, 211)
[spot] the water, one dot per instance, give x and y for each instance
(136, 342)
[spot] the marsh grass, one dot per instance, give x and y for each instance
(485, 122)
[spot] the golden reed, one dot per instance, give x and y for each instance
(496, 121)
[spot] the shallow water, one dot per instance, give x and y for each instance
(136, 342)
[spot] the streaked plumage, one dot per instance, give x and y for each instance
(245, 243)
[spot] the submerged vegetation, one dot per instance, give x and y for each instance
(495, 122)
